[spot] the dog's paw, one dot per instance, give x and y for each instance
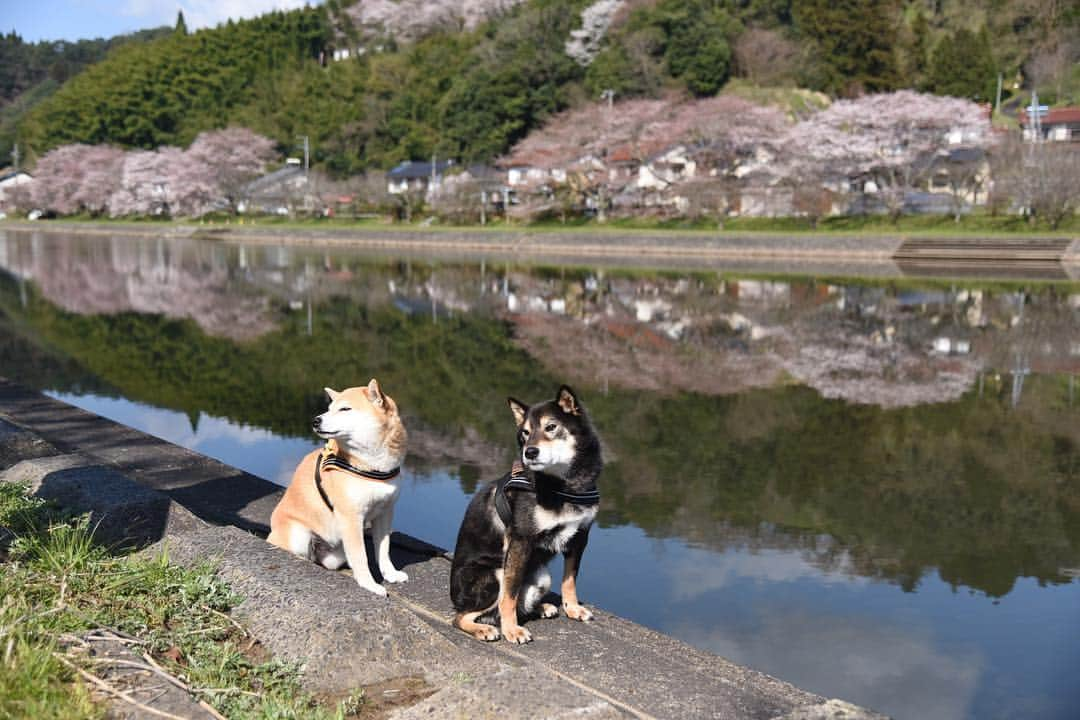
(395, 576)
(374, 588)
(578, 612)
(547, 610)
(487, 633)
(517, 634)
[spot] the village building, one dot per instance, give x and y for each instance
(281, 192)
(1057, 125)
(9, 180)
(417, 176)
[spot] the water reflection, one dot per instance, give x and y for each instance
(786, 453)
(889, 345)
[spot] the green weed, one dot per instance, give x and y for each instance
(57, 584)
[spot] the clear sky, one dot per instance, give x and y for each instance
(76, 19)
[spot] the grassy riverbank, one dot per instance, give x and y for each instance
(975, 225)
(60, 594)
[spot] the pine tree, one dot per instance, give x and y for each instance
(855, 40)
(181, 26)
(918, 52)
(963, 65)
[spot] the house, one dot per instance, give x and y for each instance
(964, 172)
(9, 180)
(665, 168)
(413, 175)
(1058, 124)
(278, 193)
(517, 175)
(492, 182)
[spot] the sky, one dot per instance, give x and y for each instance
(36, 20)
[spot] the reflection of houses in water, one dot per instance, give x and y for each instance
(863, 343)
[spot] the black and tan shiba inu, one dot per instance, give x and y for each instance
(339, 489)
(515, 525)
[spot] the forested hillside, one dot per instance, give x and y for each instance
(468, 80)
(31, 72)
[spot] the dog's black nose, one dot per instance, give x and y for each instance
(316, 422)
(532, 452)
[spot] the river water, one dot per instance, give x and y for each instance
(869, 487)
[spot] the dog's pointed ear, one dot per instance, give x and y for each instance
(568, 401)
(519, 409)
(332, 394)
(374, 393)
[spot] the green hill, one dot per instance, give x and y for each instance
(31, 72)
(470, 90)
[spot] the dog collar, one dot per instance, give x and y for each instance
(333, 462)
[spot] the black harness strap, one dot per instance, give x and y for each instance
(319, 487)
(502, 503)
(518, 480)
(332, 461)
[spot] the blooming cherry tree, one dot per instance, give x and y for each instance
(218, 164)
(594, 151)
(143, 187)
(76, 178)
(889, 139)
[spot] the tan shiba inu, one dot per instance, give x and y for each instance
(338, 490)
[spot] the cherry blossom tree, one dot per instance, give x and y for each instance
(218, 164)
(886, 141)
(77, 178)
(143, 187)
(1049, 186)
(765, 56)
(595, 151)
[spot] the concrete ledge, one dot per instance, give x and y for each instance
(145, 490)
(347, 637)
(122, 512)
(17, 444)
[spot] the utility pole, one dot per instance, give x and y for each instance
(307, 153)
(608, 95)
(434, 178)
(1035, 117)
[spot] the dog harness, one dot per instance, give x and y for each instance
(331, 461)
(518, 479)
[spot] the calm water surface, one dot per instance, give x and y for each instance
(869, 488)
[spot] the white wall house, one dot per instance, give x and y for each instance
(9, 181)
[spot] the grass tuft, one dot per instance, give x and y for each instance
(57, 584)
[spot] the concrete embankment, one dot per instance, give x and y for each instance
(865, 255)
(145, 491)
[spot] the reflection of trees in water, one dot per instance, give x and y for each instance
(176, 278)
(696, 332)
(979, 491)
(31, 363)
(889, 346)
(973, 489)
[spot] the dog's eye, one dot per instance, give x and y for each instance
(550, 427)
(524, 433)
(344, 409)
